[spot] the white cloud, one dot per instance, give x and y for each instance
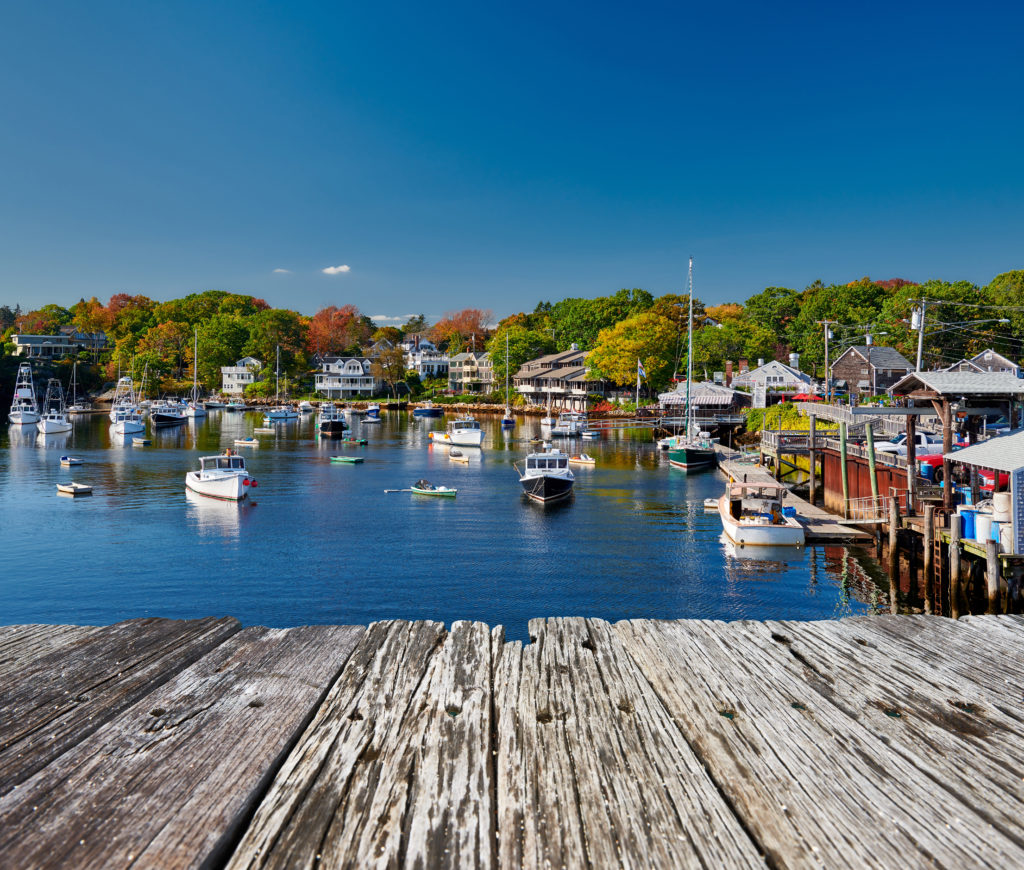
(282, 271)
(385, 318)
(336, 270)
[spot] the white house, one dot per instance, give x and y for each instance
(345, 377)
(234, 379)
(774, 376)
(423, 357)
(69, 341)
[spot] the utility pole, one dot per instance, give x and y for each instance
(919, 314)
(828, 374)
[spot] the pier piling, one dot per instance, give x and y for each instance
(992, 575)
(954, 566)
(812, 457)
(928, 568)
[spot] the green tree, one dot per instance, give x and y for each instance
(416, 323)
(44, 321)
(523, 345)
(389, 366)
(578, 321)
(774, 308)
(647, 337)
(273, 328)
(222, 340)
(854, 306)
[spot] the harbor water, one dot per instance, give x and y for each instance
(322, 543)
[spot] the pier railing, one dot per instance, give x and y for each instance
(872, 509)
(785, 441)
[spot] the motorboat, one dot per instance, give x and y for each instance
(234, 406)
(753, 515)
(73, 488)
(425, 487)
(193, 408)
(77, 406)
(351, 460)
(331, 420)
(215, 405)
(359, 441)
(305, 407)
(569, 424)
(373, 410)
(246, 442)
(224, 477)
(54, 413)
(590, 434)
(582, 459)
(463, 432)
(428, 409)
(125, 414)
(168, 412)
(24, 410)
(68, 461)
(547, 476)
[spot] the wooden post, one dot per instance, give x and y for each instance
(872, 472)
(992, 575)
(947, 447)
(954, 566)
(894, 553)
(975, 493)
(842, 468)
(912, 461)
(813, 457)
(927, 569)
(778, 448)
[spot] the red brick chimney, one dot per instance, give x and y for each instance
(728, 372)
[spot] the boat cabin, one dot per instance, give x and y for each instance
(464, 423)
(762, 501)
(221, 463)
(546, 461)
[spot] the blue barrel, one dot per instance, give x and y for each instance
(967, 516)
(927, 471)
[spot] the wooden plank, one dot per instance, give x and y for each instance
(171, 782)
(23, 644)
(591, 771)
(814, 786)
(395, 769)
(64, 695)
(945, 728)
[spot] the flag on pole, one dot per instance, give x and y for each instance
(640, 373)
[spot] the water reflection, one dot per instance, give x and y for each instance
(212, 516)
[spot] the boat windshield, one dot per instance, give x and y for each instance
(209, 463)
(466, 424)
(547, 462)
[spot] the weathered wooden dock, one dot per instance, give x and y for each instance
(870, 742)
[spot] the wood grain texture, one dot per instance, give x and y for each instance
(69, 691)
(591, 770)
(394, 769)
(171, 781)
(813, 785)
(22, 645)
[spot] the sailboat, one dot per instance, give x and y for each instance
(695, 451)
(54, 417)
(76, 406)
(508, 420)
(548, 421)
(193, 409)
(279, 411)
(24, 409)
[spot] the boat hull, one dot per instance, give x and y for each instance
(546, 489)
(459, 438)
(23, 418)
(692, 458)
(333, 428)
(161, 418)
(49, 427)
(789, 533)
(128, 427)
(427, 412)
(225, 488)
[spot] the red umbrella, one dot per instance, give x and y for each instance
(806, 397)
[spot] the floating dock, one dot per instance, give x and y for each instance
(868, 742)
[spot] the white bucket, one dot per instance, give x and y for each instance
(1001, 503)
(1006, 538)
(982, 527)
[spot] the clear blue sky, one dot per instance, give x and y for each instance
(472, 154)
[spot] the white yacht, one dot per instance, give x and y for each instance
(305, 407)
(54, 417)
(464, 432)
(547, 476)
(24, 409)
(224, 477)
(124, 411)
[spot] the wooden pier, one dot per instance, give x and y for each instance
(869, 742)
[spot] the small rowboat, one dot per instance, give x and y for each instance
(246, 442)
(68, 461)
(265, 430)
(423, 487)
(351, 460)
(582, 459)
(74, 488)
(456, 455)
(353, 441)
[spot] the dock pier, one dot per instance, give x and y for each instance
(868, 742)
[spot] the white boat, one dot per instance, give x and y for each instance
(569, 424)
(372, 410)
(193, 408)
(73, 488)
(582, 459)
(463, 432)
(370, 420)
(68, 461)
(306, 407)
(507, 420)
(223, 477)
(214, 404)
(124, 411)
(24, 410)
(752, 515)
(167, 412)
(236, 406)
(77, 406)
(590, 434)
(54, 417)
(547, 476)
(280, 412)
(331, 420)
(246, 442)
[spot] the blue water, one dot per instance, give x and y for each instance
(322, 543)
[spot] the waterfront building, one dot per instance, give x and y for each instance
(423, 357)
(68, 342)
(986, 361)
(712, 403)
(344, 377)
(234, 379)
(470, 372)
(870, 369)
(558, 379)
(774, 380)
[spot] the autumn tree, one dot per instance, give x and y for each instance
(389, 366)
(44, 321)
(334, 330)
(169, 343)
(91, 315)
(648, 337)
(459, 329)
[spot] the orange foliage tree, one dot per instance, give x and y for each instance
(334, 330)
(457, 329)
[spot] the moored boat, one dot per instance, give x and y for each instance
(246, 442)
(569, 424)
(425, 487)
(24, 410)
(463, 432)
(752, 515)
(331, 420)
(428, 409)
(224, 477)
(125, 414)
(693, 454)
(73, 488)
(582, 459)
(194, 408)
(77, 406)
(54, 412)
(68, 461)
(351, 460)
(547, 476)
(167, 412)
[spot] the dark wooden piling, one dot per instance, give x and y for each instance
(812, 456)
(992, 576)
(954, 566)
(928, 566)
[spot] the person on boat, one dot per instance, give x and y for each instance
(229, 452)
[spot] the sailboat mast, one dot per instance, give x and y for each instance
(506, 371)
(277, 378)
(689, 357)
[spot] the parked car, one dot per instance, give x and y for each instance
(930, 468)
(924, 444)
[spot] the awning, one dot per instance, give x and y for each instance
(1003, 453)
